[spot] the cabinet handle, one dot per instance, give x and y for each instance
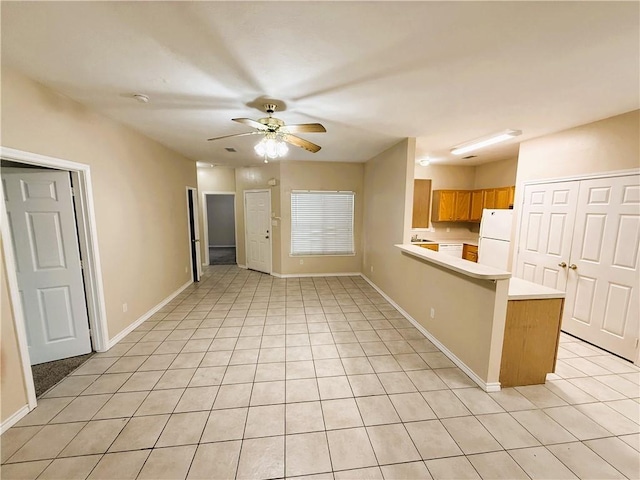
(573, 266)
(562, 264)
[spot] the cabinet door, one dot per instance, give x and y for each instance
(421, 196)
(444, 202)
(502, 197)
(463, 205)
(489, 198)
(512, 195)
(476, 205)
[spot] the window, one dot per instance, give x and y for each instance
(322, 223)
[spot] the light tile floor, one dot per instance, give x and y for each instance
(249, 376)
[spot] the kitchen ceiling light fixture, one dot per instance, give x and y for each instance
(485, 141)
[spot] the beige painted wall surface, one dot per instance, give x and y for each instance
(465, 328)
(321, 176)
(13, 393)
(256, 178)
(603, 146)
(216, 179)
(139, 190)
(496, 174)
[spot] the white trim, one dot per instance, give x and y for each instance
(246, 239)
(589, 176)
(205, 221)
(307, 275)
(242, 266)
(13, 419)
(16, 305)
(487, 387)
(94, 288)
(147, 315)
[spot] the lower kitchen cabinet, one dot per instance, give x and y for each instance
(430, 246)
(470, 252)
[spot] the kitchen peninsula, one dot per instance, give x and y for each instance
(519, 339)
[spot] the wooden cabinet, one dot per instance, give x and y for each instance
(502, 197)
(475, 212)
(462, 206)
(512, 195)
(467, 205)
(421, 198)
(430, 246)
(444, 206)
(531, 336)
(470, 252)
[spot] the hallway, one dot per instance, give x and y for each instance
(248, 376)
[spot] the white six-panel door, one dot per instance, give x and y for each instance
(43, 229)
(602, 304)
(546, 231)
(258, 230)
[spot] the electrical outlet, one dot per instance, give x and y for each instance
(301, 262)
(186, 269)
(448, 229)
(371, 268)
(433, 312)
(125, 307)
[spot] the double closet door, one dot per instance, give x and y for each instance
(583, 237)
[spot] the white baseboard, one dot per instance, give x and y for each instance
(487, 387)
(308, 275)
(146, 316)
(242, 266)
(13, 419)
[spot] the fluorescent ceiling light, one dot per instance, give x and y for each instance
(485, 141)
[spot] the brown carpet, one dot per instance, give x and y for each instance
(46, 375)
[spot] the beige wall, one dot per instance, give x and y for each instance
(496, 174)
(603, 146)
(12, 385)
(216, 179)
(469, 329)
(139, 192)
(321, 176)
(256, 178)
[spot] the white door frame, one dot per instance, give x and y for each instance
(246, 236)
(205, 221)
(88, 240)
(196, 231)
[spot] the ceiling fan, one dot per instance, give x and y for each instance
(275, 129)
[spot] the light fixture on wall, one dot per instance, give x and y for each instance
(271, 146)
(485, 141)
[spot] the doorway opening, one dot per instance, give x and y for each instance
(220, 228)
(50, 253)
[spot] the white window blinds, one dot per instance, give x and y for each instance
(322, 223)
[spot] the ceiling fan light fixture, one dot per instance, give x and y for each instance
(271, 148)
(485, 141)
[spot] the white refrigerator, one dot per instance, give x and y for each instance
(495, 236)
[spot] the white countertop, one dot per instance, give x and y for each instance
(449, 240)
(459, 265)
(520, 289)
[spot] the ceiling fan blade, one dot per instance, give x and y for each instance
(303, 128)
(301, 142)
(234, 135)
(251, 123)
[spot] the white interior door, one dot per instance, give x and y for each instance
(43, 229)
(602, 304)
(258, 230)
(546, 231)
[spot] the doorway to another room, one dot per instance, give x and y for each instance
(220, 228)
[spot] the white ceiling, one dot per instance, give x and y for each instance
(371, 72)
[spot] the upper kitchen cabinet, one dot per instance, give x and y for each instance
(451, 206)
(502, 197)
(477, 199)
(421, 197)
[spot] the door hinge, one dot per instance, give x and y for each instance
(81, 265)
(73, 192)
(636, 343)
(90, 334)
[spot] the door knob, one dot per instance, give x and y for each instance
(266, 236)
(573, 266)
(562, 264)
